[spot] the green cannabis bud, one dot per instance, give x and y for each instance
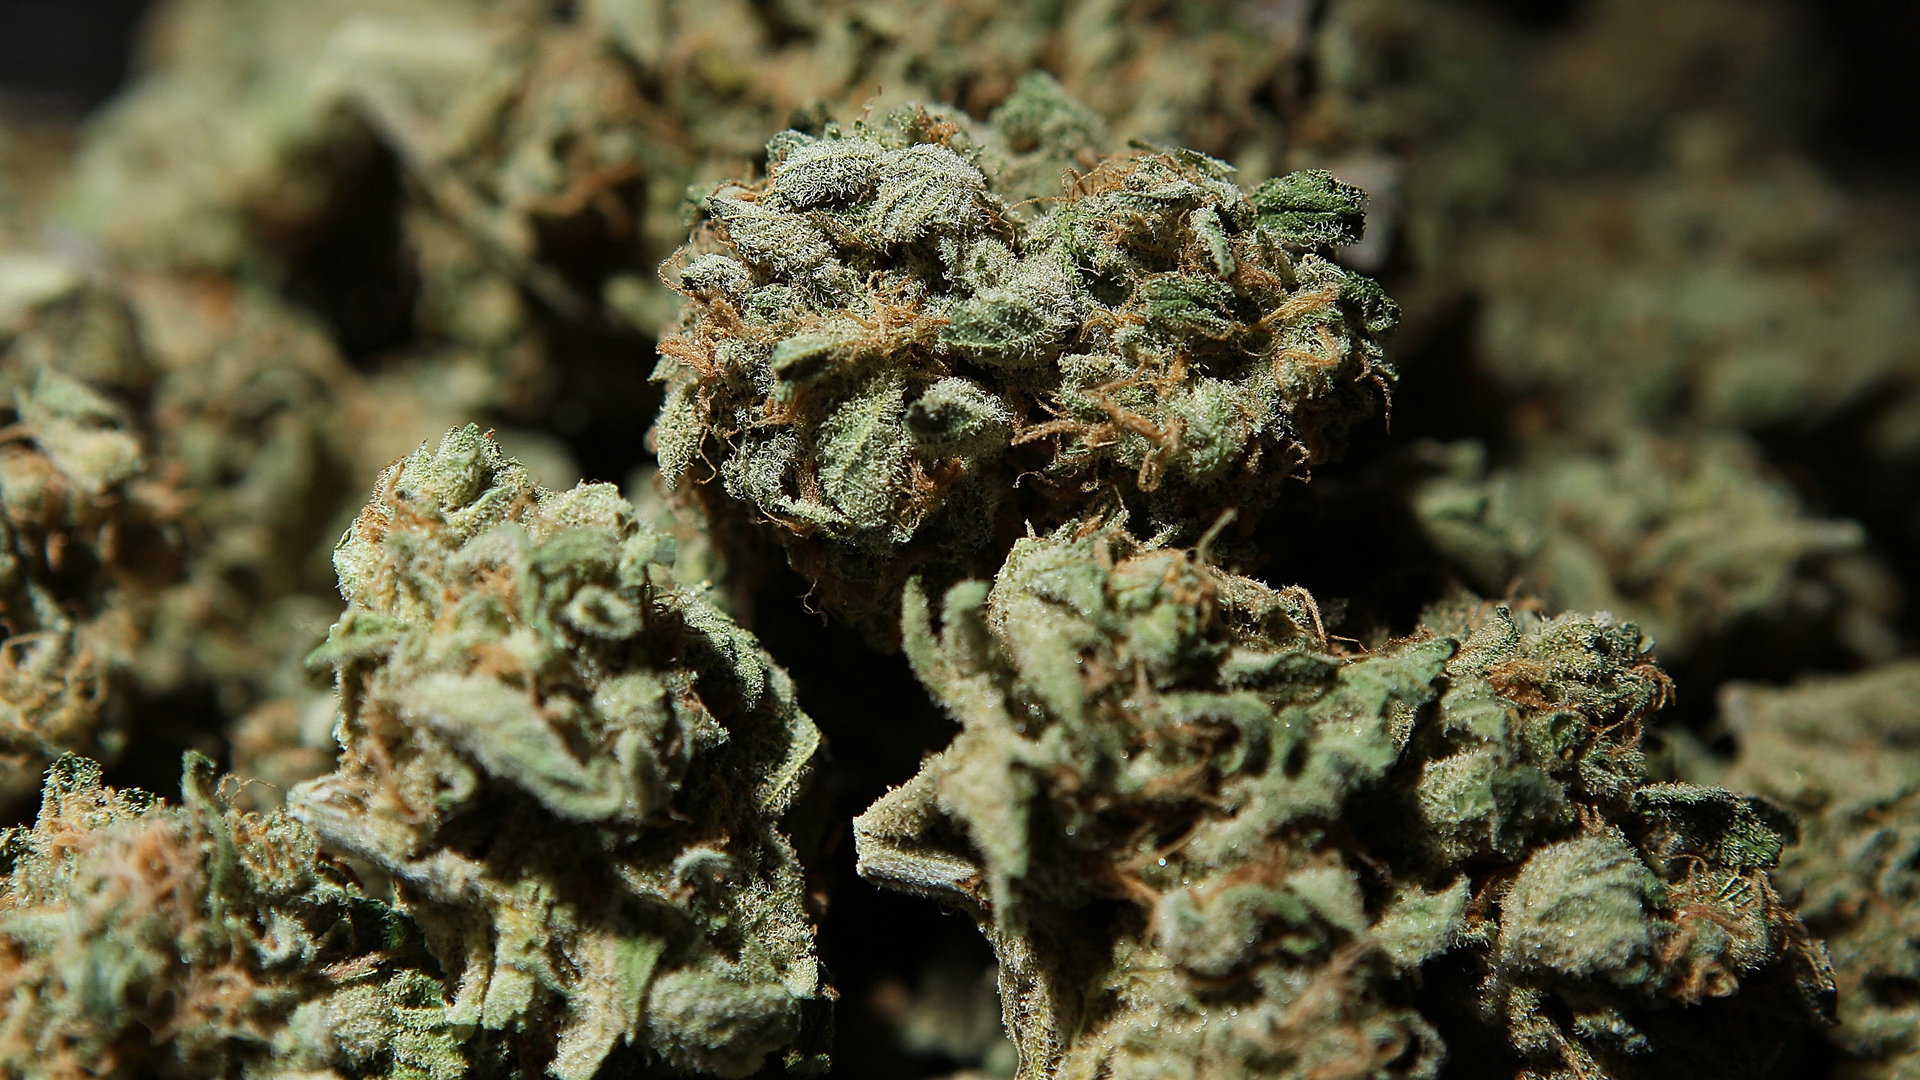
(1686, 537)
(87, 523)
(1731, 286)
(181, 453)
(1840, 753)
(896, 368)
(550, 817)
(574, 776)
(1638, 931)
(261, 420)
(1118, 706)
(139, 938)
(1202, 840)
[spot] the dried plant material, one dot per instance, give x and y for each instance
(575, 777)
(139, 938)
(896, 369)
(1732, 286)
(1056, 384)
(89, 521)
(1201, 839)
(1690, 538)
(1843, 754)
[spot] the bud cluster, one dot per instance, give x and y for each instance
(897, 368)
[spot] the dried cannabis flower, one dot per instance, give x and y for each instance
(85, 521)
(1204, 842)
(180, 459)
(1205, 837)
(254, 412)
(1618, 898)
(1687, 537)
(896, 368)
(142, 939)
(1109, 696)
(1730, 286)
(574, 776)
(1844, 755)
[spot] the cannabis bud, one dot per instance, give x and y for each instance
(1730, 286)
(146, 939)
(86, 522)
(1844, 755)
(999, 392)
(1202, 837)
(897, 368)
(1687, 536)
(574, 776)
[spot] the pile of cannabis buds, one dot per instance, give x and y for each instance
(1053, 614)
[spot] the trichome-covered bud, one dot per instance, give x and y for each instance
(1204, 838)
(1618, 927)
(1135, 810)
(574, 774)
(1313, 207)
(896, 368)
(182, 451)
(1687, 537)
(146, 939)
(1841, 754)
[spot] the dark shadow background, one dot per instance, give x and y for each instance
(62, 57)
